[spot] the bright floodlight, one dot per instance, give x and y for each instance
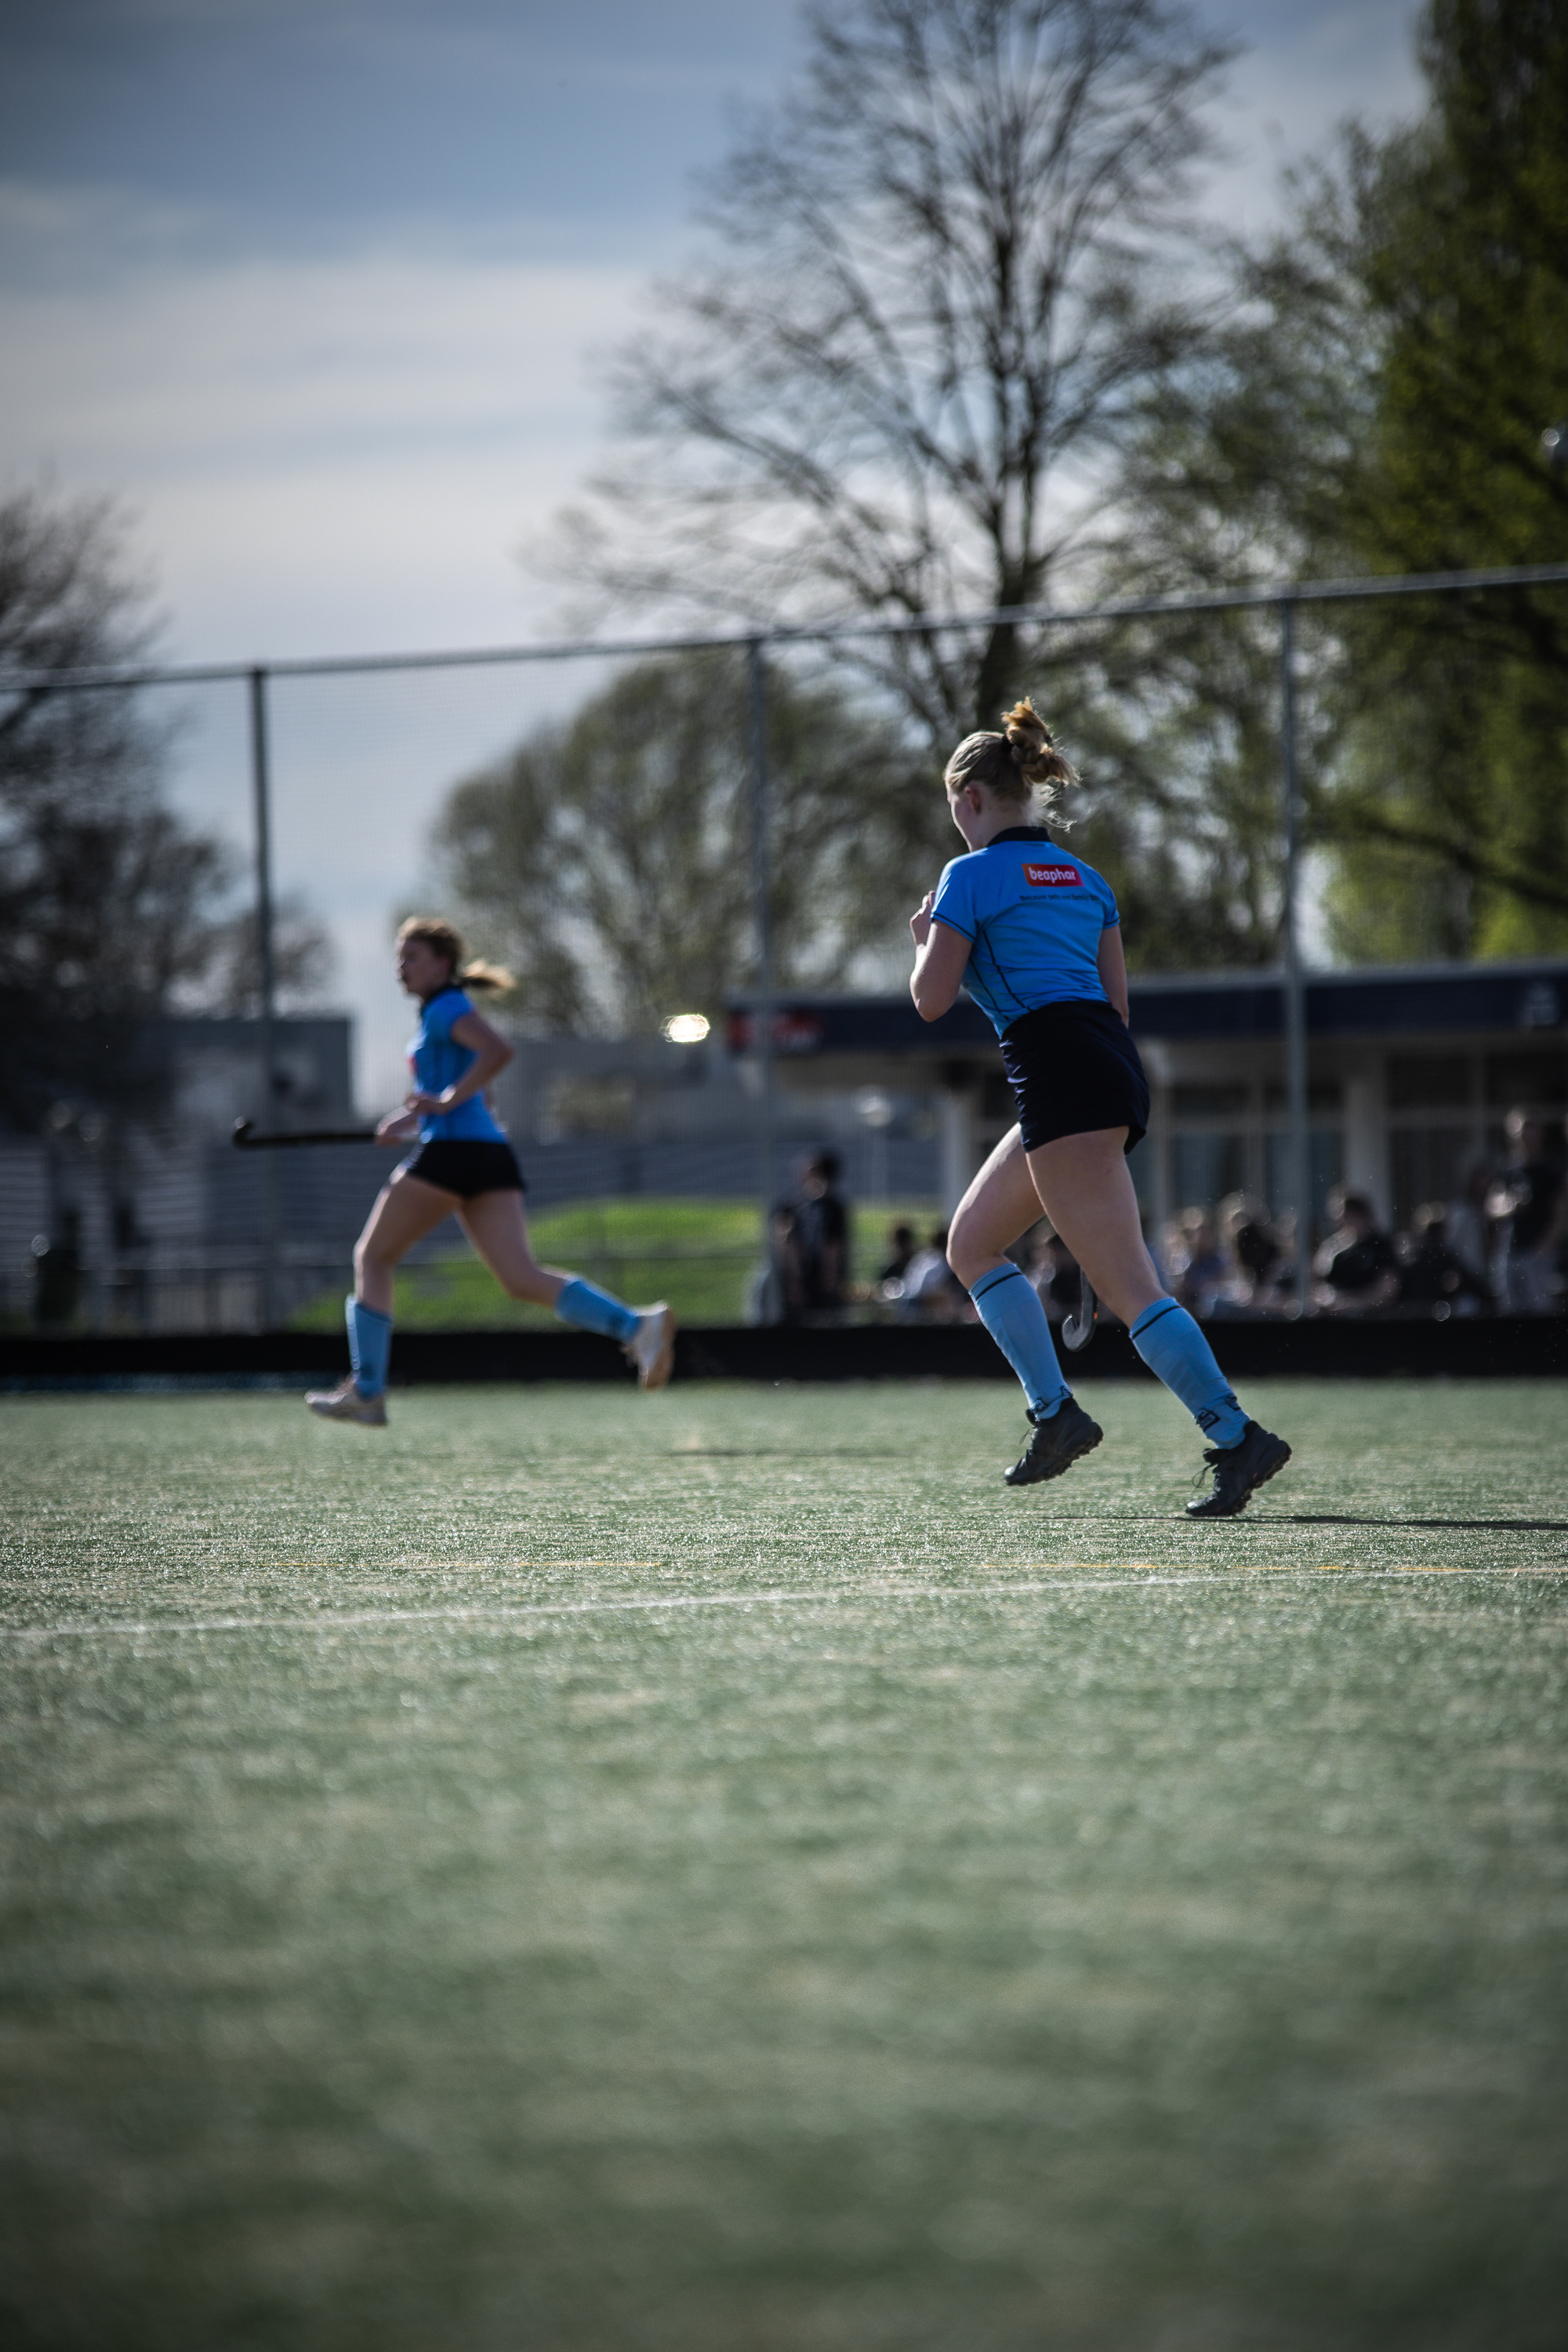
(686, 1028)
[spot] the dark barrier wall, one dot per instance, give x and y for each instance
(1504, 1348)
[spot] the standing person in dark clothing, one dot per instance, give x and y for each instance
(821, 1236)
(1434, 1278)
(1528, 1205)
(1357, 1270)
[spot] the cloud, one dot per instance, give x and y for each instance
(324, 455)
(353, 434)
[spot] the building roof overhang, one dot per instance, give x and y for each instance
(1386, 1000)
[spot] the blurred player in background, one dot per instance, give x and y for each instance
(1035, 937)
(464, 1168)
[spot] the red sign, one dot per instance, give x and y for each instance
(794, 1031)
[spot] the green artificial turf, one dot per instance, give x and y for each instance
(718, 1872)
(698, 1253)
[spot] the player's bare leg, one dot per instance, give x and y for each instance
(406, 1211)
(1000, 1204)
(1085, 1187)
(497, 1225)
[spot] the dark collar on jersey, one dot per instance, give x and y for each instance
(1022, 833)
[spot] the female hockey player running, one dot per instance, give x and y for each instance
(1035, 937)
(464, 1167)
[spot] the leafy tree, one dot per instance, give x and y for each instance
(1375, 403)
(1458, 774)
(1234, 476)
(302, 960)
(608, 860)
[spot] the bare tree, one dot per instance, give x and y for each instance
(945, 280)
(303, 961)
(111, 905)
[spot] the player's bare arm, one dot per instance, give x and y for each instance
(491, 1053)
(943, 955)
(1112, 967)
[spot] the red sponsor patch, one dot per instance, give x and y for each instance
(1047, 878)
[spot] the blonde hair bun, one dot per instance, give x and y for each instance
(1034, 749)
(1014, 764)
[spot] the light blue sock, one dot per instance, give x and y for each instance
(595, 1310)
(1174, 1348)
(370, 1344)
(1009, 1306)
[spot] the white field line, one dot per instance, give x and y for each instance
(462, 1614)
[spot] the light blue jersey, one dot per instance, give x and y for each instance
(1033, 916)
(438, 1060)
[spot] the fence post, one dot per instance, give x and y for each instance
(1300, 1146)
(763, 920)
(260, 779)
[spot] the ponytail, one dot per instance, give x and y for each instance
(446, 941)
(485, 975)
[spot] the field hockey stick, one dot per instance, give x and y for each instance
(246, 1138)
(1079, 1330)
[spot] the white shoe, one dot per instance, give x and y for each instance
(345, 1404)
(653, 1348)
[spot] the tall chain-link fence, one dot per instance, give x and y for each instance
(653, 1161)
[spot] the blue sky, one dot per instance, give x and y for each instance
(314, 287)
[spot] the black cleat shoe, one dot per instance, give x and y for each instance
(1237, 1470)
(1056, 1445)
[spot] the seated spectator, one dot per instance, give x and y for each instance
(1432, 1279)
(1252, 1249)
(1357, 1271)
(1527, 1203)
(933, 1293)
(1195, 1262)
(901, 1250)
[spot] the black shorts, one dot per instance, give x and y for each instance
(467, 1169)
(1074, 1067)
